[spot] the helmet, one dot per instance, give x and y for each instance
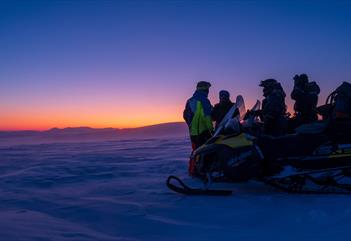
(268, 83)
(203, 85)
(301, 81)
(304, 78)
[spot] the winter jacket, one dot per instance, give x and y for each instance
(342, 107)
(197, 113)
(273, 106)
(273, 113)
(220, 110)
(306, 100)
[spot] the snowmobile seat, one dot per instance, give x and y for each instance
(323, 162)
(312, 128)
(293, 145)
(277, 151)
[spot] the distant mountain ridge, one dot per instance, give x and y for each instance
(173, 129)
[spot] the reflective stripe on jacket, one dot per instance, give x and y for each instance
(197, 113)
(200, 122)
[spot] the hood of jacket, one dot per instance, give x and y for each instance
(202, 96)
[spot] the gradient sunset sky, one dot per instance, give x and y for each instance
(134, 63)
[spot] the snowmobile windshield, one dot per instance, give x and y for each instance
(231, 121)
(240, 104)
(251, 116)
(232, 126)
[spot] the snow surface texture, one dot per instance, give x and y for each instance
(116, 190)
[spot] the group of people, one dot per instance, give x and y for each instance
(199, 114)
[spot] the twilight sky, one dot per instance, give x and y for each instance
(134, 63)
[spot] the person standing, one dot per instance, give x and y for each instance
(305, 94)
(197, 115)
(339, 122)
(273, 108)
(221, 109)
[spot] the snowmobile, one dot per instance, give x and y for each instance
(303, 162)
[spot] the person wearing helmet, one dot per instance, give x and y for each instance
(273, 111)
(305, 94)
(339, 121)
(197, 115)
(222, 108)
(342, 106)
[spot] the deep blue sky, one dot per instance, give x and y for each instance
(130, 63)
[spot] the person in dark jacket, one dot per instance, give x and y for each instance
(305, 94)
(342, 107)
(273, 111)
(339, 123)
(197, 114)
(222, 108)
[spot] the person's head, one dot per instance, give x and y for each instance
(304, 78)
(301, 81)
(203, 86)
(268, 86)
(224, 96)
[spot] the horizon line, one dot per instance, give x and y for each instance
(91, 127)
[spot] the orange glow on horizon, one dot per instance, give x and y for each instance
(32, 123)
(96, 116)
(15, 126)
(43, 119)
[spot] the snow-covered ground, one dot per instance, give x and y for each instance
(116, 191)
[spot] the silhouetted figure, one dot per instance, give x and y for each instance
(305, 94)
(342, 109)
(197, 115)
(221, 109)
(273, 108)
(339, 126)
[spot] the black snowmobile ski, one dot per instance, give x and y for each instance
(323, 181)
(184, 189)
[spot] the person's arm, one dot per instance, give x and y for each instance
(214, 113)
(209, 106)
(187, 113)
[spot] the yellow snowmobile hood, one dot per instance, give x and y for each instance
(238, 141)
(231, 141)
